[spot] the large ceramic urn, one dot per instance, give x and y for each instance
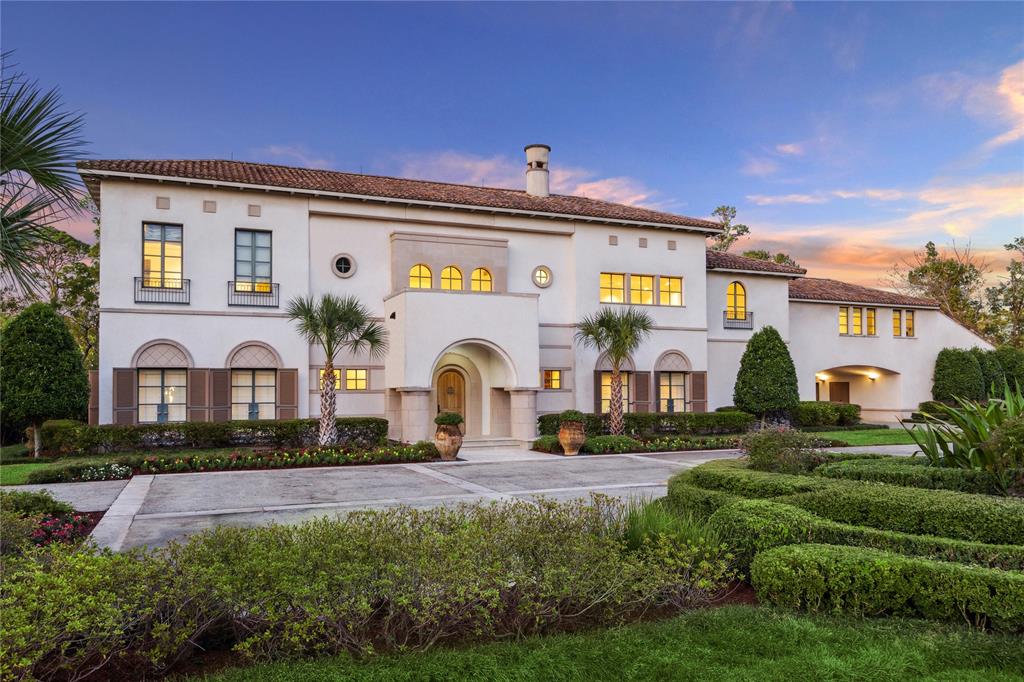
(571, 437)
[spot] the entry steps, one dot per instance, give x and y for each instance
(486, 442)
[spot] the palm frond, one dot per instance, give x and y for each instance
(616, 334)
(27, 220)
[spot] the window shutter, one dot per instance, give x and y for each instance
(287, 394)
(220, 395)
(699, 389)
(597, 392)
(656, 400)
(94, 397)
(198, 395)
(124, 396)
(642, 392)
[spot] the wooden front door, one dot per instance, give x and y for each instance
(451, 392)
(839, 391)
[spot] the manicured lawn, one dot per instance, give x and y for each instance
(733, 643)
(16, 450)
(17, 474)
(895, 436)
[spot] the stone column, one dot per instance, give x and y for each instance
(417, 414)
(523, 413)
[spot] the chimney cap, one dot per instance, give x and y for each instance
(531, 146)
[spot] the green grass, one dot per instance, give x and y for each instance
(735, 643)
(17, 474)
(870, 436)
(16, 450)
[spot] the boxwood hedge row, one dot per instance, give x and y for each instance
(912, 473)
(642, 423)
(828, 578)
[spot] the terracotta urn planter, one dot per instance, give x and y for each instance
(448, 437)
(571, 436)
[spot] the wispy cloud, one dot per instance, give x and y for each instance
(759, 167)
(781, 199)
(293, 153)
(791, 149)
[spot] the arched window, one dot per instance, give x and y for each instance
(419, 277)
(451, 278)
(482, 280)
(736, 302)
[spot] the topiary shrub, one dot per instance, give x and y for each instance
(781, 449)
(1011, 360)
(957, 375)
(571, 416)
(766, 383)
(448, 419)
(991, 371)
(42, 373)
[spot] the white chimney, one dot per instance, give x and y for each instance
(537, 184)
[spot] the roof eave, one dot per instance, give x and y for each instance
(767, 273)
(920, 306)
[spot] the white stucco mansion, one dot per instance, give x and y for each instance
(479, 288)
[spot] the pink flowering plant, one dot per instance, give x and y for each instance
(61, 528)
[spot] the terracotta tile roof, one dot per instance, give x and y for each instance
(717, 260)
(315, 180)
(815, 289)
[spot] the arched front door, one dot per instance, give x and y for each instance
(451, 392)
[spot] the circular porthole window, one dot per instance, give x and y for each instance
(344, 265)
(542, 276)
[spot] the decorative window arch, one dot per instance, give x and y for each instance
(162, 353)
(451, 278)
(253, 354)
(482, 280)
(736, 301)
(420, 277)
(672, 361)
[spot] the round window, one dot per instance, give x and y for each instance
(344, 265)
(542, 276)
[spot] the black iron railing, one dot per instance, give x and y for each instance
(256, 294)
(162, 290)
(736, 322)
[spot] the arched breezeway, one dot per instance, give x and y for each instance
(876, 389)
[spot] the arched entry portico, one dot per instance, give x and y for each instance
(473, 378)
(876, 389)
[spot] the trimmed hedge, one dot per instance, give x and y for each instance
(1011, 360)
(65, 437)
(823, 413)
(641, 423)
(957, 375)
(702, 503)
(943, 513)
(913, 474)
(753, 526)
(991, 371)
(606, 444)
(602, 445)
(733, 476)
(826, 578)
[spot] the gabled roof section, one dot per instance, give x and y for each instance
(311, 180)
(720, 260)
(833, 291)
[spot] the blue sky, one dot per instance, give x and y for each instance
(847, 134)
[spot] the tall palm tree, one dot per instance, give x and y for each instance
(616, 334)
(38, 183)
(336, 324)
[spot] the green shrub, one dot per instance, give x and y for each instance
(735, 477)
(912, 473)
(16, 538)
(816, 413)
(449, 419)
(1011, 360)
(571, 416)
(594, 424)
(943, 513)
(957, 375)
(680, 443)
(781, 449)
(32, 503)
(766, 381)
(1006, 444)
(60, 436)
(753, 526)
(849, 414)
(77, 473)
(548, 444)
(641, 423)
(826, 578)
(42, 373)
(700, 502)
(601, 445)
(991, 371)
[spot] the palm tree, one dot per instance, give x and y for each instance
(336, 324)
(616, 334)
(38, 183)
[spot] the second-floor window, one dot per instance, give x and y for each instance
(252, 261)
(613, 287)
(419, 277)
(736, 302)
(641, 289)
(856, 321)
(481, 280)
(671, 290)
(451, 279)
(161, 255)
(903, 323)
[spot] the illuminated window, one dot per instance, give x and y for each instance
(897, 323)
(451, 279)
(844, 320)
(552, 378)
(736, 302)
(909, 326)
(420, 277)
(161, 395)
(542, 276)
(253, 393)
(613, 287)
(858, 321)
(871, 313)
(671, 392)
(355, 379)
(641, 289)
(337, 379)
(670, 290)
(606, 391)
(481, 280)
(161, 256)
(252, 261)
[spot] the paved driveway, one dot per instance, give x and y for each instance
(152, 510)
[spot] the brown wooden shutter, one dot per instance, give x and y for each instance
(198, 395)
(287, 394)
(124, 396)
(699, 391)
(94, 397)
(642, 392)
(220, 395)
(597, 392)
(656, 398)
